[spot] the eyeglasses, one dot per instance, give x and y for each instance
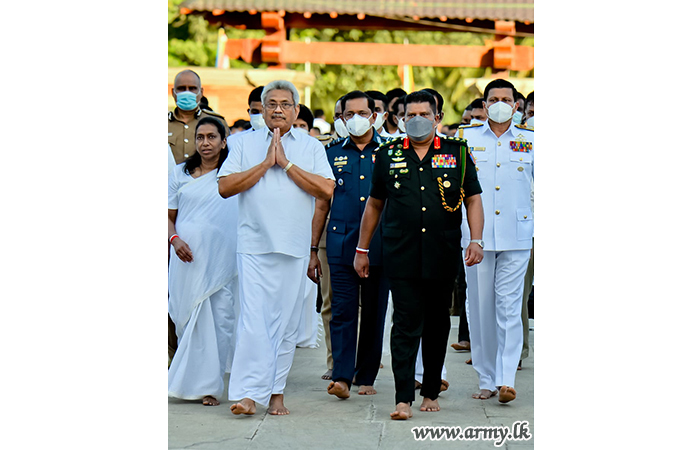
(284, 106)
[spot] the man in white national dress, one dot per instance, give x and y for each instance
(278, 172)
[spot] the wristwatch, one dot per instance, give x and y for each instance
(479, 242)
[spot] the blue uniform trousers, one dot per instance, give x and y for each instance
(349, 293)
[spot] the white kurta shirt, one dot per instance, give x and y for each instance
(505, 167)
(275, 214)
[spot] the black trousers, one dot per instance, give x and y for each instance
(421, 310)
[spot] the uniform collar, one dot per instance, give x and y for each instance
(376, 138)
(487, 126)
(172, 115)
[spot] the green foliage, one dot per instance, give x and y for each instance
(332, 81)
(192, 42)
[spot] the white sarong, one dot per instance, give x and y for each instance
(203, 293)
(272, 295)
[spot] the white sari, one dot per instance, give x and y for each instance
(204, 292)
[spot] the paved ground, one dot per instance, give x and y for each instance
(321, 421)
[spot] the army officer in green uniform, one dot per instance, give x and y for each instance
(420, 183)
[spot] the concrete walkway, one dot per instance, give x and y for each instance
(321, 421)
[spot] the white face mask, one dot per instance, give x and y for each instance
(379, 121)
(531, 122)
(340, 129)
(500, 112)
(402, 125)
(358, 125)
(257, 121)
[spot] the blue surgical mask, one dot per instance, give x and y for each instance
(517, 117)
(187, 101)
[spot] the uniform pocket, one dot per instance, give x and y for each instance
(526, 224)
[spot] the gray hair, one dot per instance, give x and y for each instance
(282, 85)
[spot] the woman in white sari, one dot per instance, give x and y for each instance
(202, 277)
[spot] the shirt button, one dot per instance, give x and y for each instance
(421, 169)
(423, 230)
(498, 188)
(186, 127)
(422, 188)
(362, 156)
(498, 211)
(334, 228)
(521, 159)
(187, 140)
(499, 143)
(186, 155)
(362, 177)
(498, 164)
(362, 199)
(423, 208)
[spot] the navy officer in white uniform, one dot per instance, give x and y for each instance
(503, 154)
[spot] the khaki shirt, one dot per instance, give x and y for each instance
(181, 134)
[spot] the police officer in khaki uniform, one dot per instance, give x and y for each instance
(419, 184)
(187, 92)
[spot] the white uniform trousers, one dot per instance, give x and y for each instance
(205, 347)
(495, 293)
(272, 294)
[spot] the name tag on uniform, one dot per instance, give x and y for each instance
(444, 162)
(397, 165)
(521, 146)
(339, 163)
(477, 149)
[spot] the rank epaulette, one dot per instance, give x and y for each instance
(333, 142)
(525, 127)
(211, 113)
(456, 140)
(389, 142)
(471, 125)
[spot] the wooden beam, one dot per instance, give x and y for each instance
(369, 53)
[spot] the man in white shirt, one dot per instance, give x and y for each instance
(503, 153)
(278, 172)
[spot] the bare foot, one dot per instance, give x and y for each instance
(277, 407)
(328, 375)
(462, 346)
(403, 412)
(339, 388)
(484, 394)
(506, 394)
(444, 385)
(245, 406)
(429, 405)
(208, 400)
(366, 390)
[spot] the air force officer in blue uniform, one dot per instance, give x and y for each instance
(352, 160)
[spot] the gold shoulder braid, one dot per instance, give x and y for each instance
(462, 154)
